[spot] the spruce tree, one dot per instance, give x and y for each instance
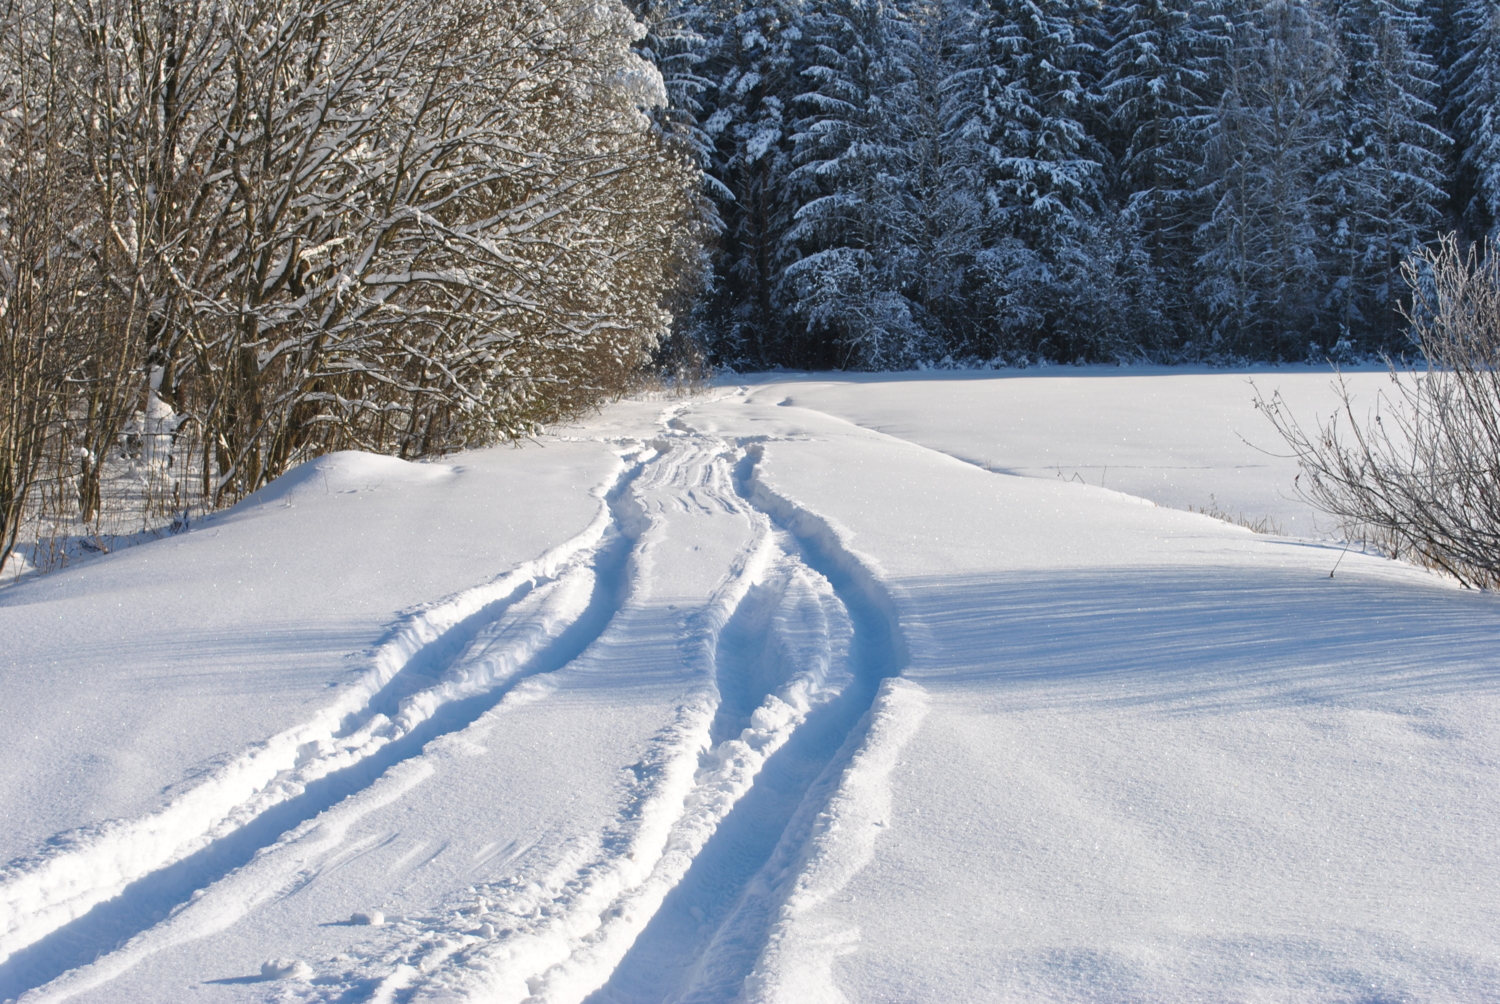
(1385, 190)
(745, 116)
(1015, 105)
(1474, 97)
(1261, 266)
(859, 203)
(1161, 79)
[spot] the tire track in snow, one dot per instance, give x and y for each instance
(67, 910)
(560, 936)
(830, 840)
(832, 835)
(728, 845)
(556, 936)
(710, 931)
(565, 928)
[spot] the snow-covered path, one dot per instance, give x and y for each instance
(753, 703)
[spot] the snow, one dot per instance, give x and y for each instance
(1184, 438)
(264, 628)
(788, 691)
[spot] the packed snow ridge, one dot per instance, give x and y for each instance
(784, 692)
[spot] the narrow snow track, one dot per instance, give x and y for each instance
(800, 640)
(706, 938)
(438, 672)
(557, 935)
(781, 663)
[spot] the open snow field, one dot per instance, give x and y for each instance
(909, 688)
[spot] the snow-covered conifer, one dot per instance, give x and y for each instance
(1161, 79)
(1015, 106)
(1261, 261)
(1385, 191)
(747, 121)
(679, 40)
(852, 187)
(1474, 96)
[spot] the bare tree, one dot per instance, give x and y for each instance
(1423, 472)
(388, 224)
(46, 358)
(396, 225)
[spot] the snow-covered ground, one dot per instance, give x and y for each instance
(791, 691)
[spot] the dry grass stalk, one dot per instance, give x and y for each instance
(1264, 525)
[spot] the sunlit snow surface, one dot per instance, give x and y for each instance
(790, 691)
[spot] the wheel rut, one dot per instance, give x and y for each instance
(705, 939)
(681, 895)
(460, 660)
(675, 898)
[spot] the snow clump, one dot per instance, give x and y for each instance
(285, 969)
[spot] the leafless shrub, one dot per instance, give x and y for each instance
(295, 226)
(1421, 475)
(50, 366)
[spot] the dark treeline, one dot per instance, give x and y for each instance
(903, 182)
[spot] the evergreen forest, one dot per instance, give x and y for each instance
(902, 183)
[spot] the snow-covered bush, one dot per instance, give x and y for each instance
(1424, 473)
(398, 225)
(47, 351)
